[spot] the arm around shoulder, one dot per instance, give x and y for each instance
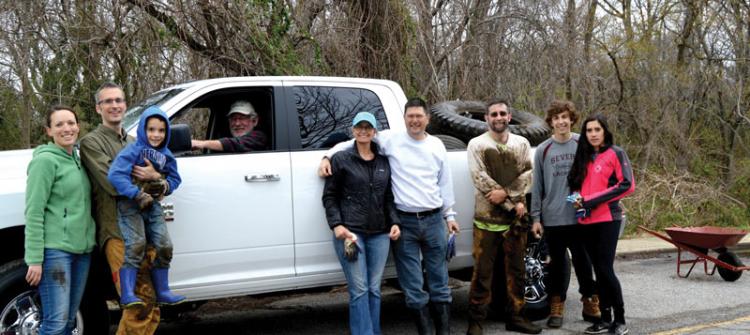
(324, 168)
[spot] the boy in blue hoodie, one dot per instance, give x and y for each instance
(139, 213)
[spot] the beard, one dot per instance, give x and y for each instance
(499, 126)
(239, 132)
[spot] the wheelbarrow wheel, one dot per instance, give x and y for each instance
(731, 259)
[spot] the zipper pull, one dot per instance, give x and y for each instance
(65, 213)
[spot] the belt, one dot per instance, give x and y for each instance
(421, 214)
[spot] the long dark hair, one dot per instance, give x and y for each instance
(585, 152)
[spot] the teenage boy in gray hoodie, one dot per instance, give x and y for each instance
(549, 209)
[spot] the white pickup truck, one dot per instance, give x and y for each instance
(244, 223)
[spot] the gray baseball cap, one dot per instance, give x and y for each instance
(243, 107)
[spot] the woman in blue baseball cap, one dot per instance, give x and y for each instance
(359, 208)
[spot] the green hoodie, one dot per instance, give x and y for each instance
(58, 204)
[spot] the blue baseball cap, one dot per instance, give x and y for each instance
(367, 117)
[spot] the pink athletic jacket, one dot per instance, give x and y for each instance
(608, 179)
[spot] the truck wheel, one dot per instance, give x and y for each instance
(465, 120)
(731, 259)
(21, 306)
(540, 309)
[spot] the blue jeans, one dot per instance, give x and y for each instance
(139, 228)
(61, 289)
(364, 277)
(427, 235)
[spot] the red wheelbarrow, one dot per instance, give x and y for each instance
(698, 240)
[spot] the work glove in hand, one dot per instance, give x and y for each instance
(351, 249)
(576, 199)
(582, 213)
(144, 200)
(156, 188)
(451, 247)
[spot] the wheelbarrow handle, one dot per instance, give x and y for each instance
(657, 234)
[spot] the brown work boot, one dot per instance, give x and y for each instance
(556, 311)
(591, 311)
(475, 328)
(522, 325)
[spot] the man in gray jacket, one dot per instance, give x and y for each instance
(549, 209)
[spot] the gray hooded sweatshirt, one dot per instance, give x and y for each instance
(552, 162)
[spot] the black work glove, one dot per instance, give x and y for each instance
(156, 188)
(144, 200)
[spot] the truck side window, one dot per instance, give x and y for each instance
(325, 113)
(209, 120)
(197, 118)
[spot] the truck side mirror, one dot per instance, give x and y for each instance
(179, 140)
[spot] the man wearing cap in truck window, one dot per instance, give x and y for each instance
(242, 120)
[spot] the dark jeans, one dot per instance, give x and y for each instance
(559, 240)
(601, 243)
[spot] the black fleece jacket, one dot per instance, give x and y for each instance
(358, 194)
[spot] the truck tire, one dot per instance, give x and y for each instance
(451, 143)
(465, 120)
(20, 306)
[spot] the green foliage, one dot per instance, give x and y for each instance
(61, 85)
(711, 212)
(675, 120)
(270, 24)
(664, 199)
(720, 213)
(740, 189)
(10, 133)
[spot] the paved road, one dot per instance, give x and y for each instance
(657, 302)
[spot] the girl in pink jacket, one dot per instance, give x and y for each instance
(602, 174)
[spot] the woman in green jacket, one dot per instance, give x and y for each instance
(59, 226)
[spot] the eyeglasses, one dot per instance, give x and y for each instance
(111, 101)
(363, 128)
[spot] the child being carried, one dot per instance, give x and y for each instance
(139, 213)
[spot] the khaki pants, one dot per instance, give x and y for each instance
(138, 320)
(487, 246)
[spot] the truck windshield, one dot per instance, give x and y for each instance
(157, 99)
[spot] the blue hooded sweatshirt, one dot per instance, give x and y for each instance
(135, 153)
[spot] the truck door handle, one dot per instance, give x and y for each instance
(167, 209)
(262, 177)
